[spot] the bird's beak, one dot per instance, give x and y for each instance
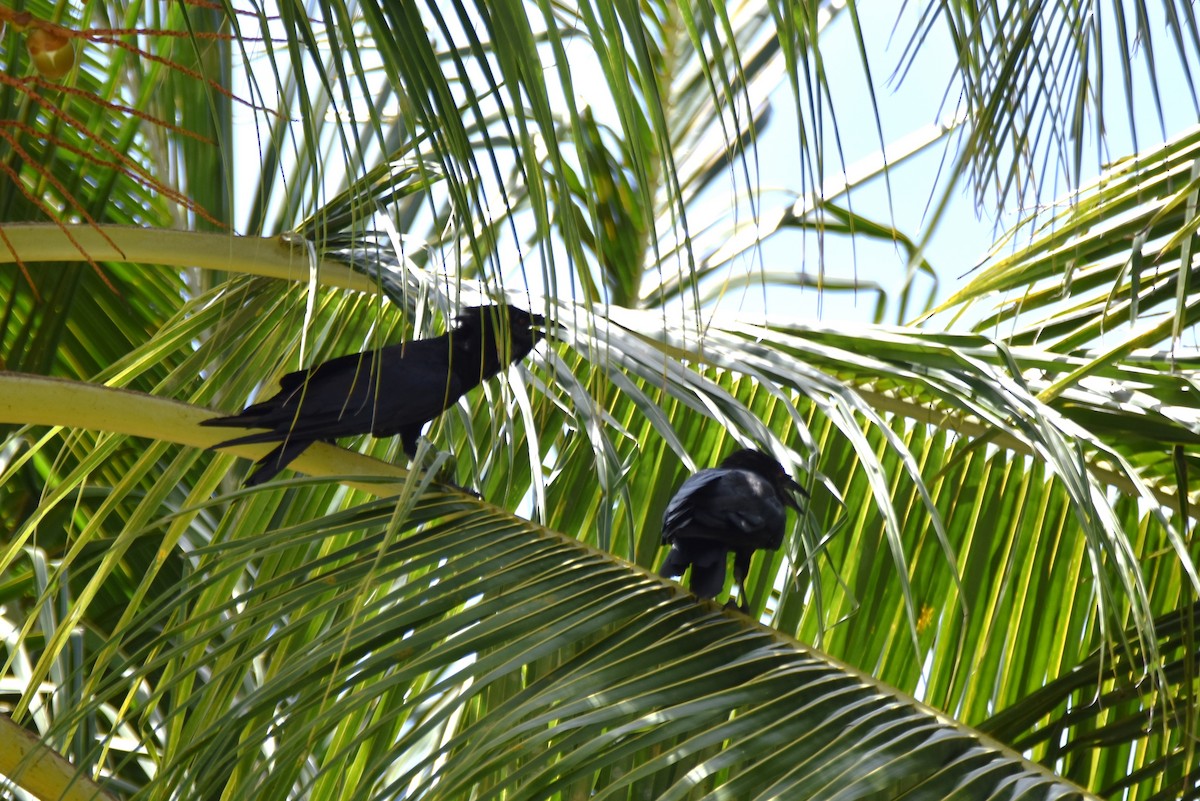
(789, 499)
(537, 321)
(540, 321)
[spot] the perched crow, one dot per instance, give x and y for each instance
(735, 507)
(394, 390)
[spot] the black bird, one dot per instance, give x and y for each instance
(737, 507)
(396, 389)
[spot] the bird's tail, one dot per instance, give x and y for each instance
(251, 439)
(269, 466)
(250, 417)
(232, 420)
(708, 568)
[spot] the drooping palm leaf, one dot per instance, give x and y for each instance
(478, 174)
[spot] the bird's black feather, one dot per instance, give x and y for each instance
(739, 507)
(394, 390)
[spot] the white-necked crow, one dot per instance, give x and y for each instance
(396, 389)
(739, 507)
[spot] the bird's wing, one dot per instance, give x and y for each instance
(682, 509)
(279, 411)
(325, 402)
(339, 368)
(379, 392)
(434, 350)
(413, 393)
(728, 505)
(381, 399)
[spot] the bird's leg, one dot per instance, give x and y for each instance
(741, 567)
(740, 604)
(443, 465)
(743, 599)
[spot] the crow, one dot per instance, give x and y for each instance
(739, 507)
(396, 389)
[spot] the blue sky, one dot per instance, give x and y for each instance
(966, 232)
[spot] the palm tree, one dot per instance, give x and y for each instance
(1001, 493)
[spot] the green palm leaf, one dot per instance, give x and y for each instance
(1000, 522)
